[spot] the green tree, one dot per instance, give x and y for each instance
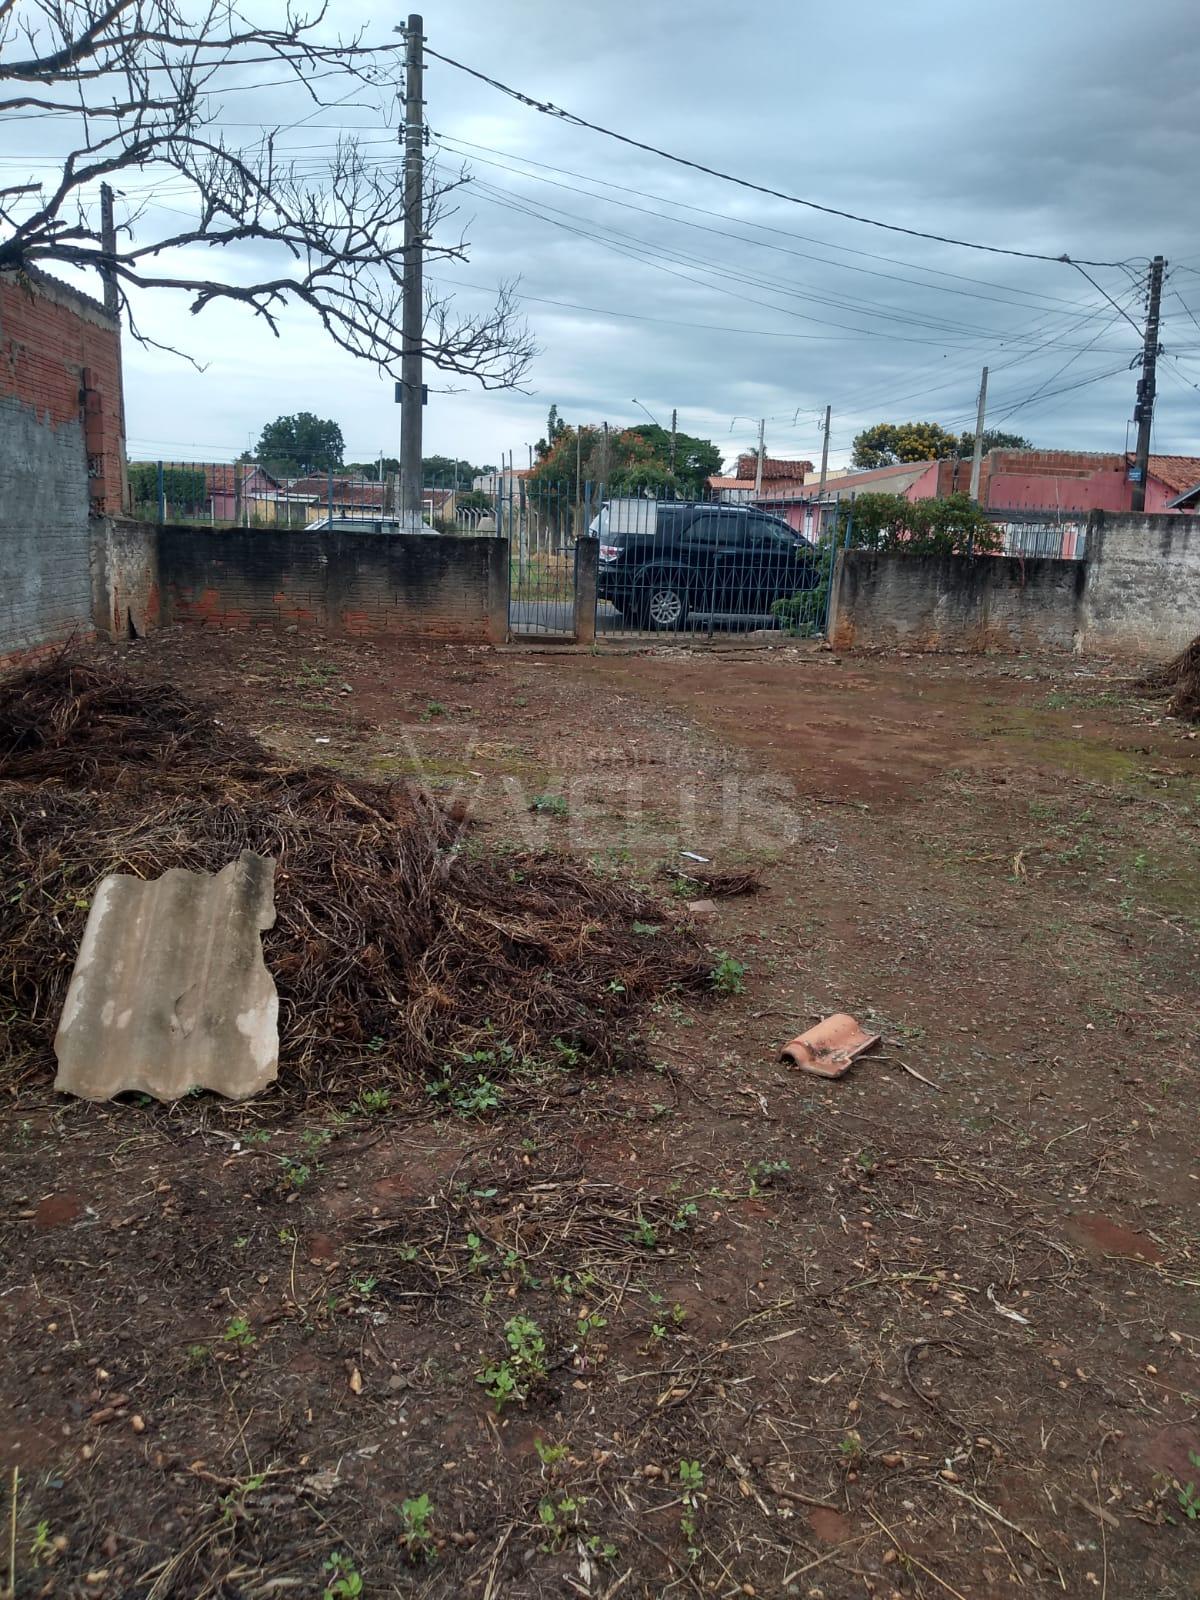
(633, 460)
(185, 491)
(993, 439)
(446, 471)
(554, 426)
(889, 443)
(292, 446)
(369, 470)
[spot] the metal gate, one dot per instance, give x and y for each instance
(541, 523)
(689, 570)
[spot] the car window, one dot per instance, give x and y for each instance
(767, 532)
(720, 527)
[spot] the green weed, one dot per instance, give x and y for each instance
(1189, 1497)
(728, 976)
(551, 805)
(763, 1174)
(523, 1367)
(344, 1581)
(416, 1535)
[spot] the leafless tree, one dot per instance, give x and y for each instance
(130, 91)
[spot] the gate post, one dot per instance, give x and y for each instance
(587, 559)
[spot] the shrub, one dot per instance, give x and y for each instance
(955, 525)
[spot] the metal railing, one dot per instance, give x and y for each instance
(251, 494)
(668, 567)
(1055, 534)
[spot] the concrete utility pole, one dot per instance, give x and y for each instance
(411, 386)
(824, 453)
(824, 471)
(762, 425)
(108, 246)
(1143, 411)
(674, 426)
(977, 453)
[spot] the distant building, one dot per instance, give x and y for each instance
(779, 478)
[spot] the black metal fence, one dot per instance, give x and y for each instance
(668, 568)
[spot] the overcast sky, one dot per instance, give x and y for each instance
(1072, 125)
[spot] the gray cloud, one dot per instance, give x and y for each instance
(1047, 127)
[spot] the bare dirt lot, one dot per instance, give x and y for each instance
(703, 1325)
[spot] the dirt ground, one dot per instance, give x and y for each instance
(928, 1330)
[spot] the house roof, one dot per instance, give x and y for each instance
(1178, 473)
(889, 480)
(773, 467)
(732, 483)
(342, 491)
(1181, 500)
(224, 478)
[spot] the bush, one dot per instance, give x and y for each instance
(954, 526)
(184, 488)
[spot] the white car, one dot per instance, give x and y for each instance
(361, 525)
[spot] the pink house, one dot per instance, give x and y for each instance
(229, 487)
(1070, 480)
(1062, 485)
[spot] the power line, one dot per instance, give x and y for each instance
(631, 245)
(451, 141)
(548, 108)
(634, 316)
(1186, 307)
(1109, 298)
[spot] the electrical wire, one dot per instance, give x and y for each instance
(637, 248)
(470, 153)
(548, 108)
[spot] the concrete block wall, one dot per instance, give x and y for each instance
(45, 579)
(1143, 591)
(406, 585)
(126, 600)
(954, 602)
(62, 458)
(1136, 595)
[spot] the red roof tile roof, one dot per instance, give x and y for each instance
(793, 471)
(1178, 473)
(343, 491)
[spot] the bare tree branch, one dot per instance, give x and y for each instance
(143, 77)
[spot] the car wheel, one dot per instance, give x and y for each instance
(665, 604)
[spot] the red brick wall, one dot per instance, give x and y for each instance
(61, 354)
(407, 585)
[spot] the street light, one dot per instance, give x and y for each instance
(648, 412)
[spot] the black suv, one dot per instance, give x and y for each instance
(683, 558)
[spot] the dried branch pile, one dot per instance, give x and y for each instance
(1182, 676)
(400, 949)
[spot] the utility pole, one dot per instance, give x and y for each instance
(674, 426)
(977, 453)
(1143, 411)
(108, 248)
(824, 471)
(762, 425)
(411, 386)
